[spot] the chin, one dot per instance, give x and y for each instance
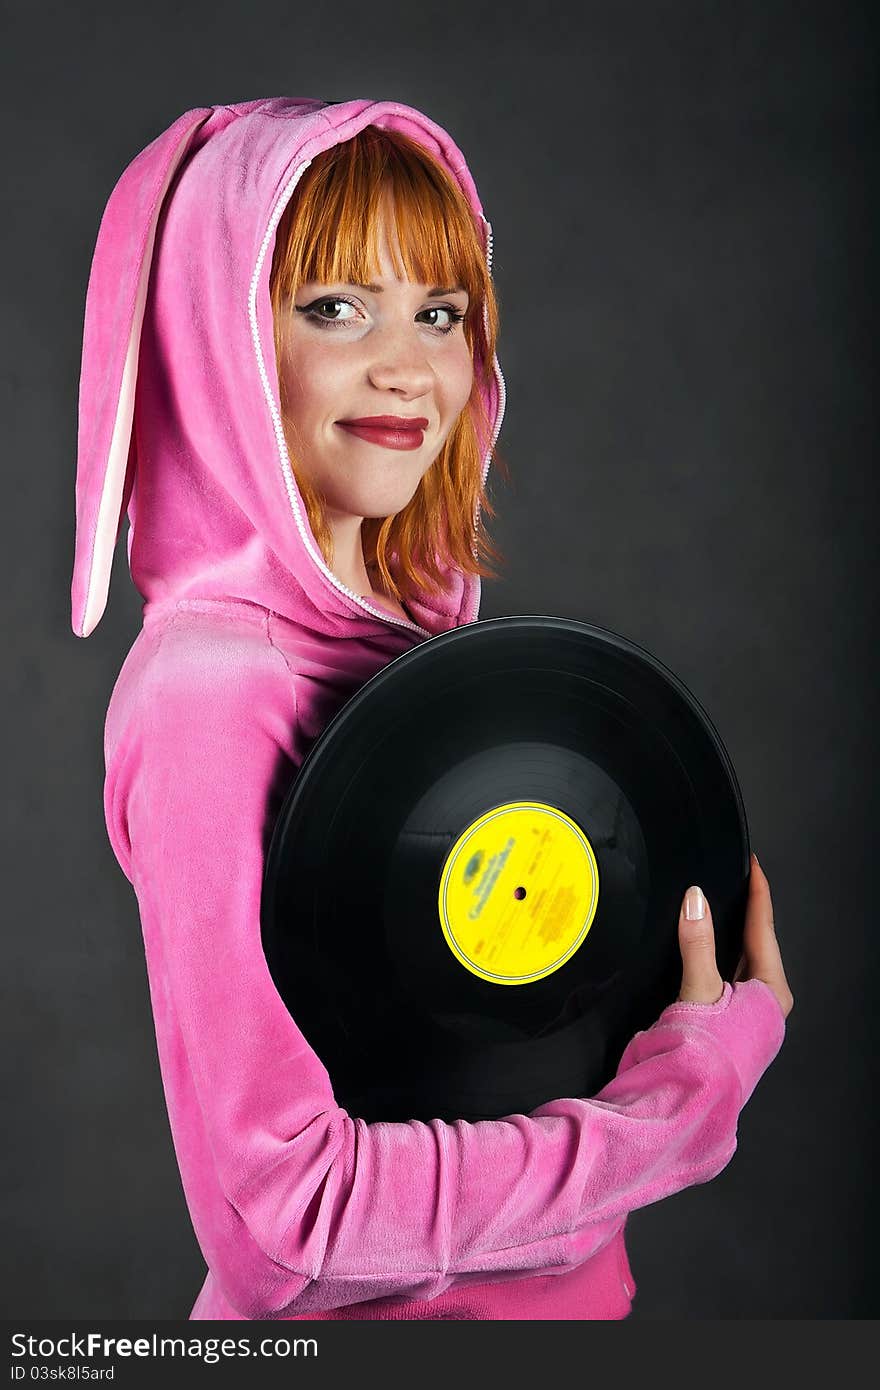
(377, 510)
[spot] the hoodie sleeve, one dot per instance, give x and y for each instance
(298, 1206)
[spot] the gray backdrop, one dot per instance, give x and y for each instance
(679, 194)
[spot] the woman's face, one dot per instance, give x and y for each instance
(354, 351)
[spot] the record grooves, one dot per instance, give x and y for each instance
(471, 895)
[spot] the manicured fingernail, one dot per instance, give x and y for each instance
(756, 859)
(694, 904)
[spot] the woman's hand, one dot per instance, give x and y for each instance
(761, 959)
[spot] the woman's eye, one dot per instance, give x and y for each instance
(322, 304)
(453, 317)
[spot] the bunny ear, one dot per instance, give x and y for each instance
(114, 314)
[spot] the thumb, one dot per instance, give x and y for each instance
(701, 982)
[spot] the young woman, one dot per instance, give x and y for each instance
(272, 280)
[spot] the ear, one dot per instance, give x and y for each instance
(114, 314)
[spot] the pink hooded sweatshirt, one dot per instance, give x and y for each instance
(249, 646)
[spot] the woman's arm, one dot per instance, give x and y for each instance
(297, 1205)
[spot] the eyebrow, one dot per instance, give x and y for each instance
(378, 289)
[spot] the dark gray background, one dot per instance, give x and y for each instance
(679, 194)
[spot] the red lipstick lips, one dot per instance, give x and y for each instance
(389, 422)
(389, 431)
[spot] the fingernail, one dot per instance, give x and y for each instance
(694, 904)
(756, 859)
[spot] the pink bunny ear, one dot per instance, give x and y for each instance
(111, 343)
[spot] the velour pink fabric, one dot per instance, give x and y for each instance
(248, 648)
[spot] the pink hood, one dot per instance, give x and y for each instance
(179, 416)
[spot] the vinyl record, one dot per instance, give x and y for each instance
(472, 891)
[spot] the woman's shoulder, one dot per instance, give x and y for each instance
(218, 663)
(211, 641)
(202, 728)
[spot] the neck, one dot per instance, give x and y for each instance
(348, 552)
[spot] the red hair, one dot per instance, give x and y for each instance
(329, 233)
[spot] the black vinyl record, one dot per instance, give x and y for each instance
(472, 891)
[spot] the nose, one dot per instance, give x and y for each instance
(400, 364)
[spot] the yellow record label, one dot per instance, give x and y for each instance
(518, 892)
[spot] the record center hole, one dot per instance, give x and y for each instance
(519, 893)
